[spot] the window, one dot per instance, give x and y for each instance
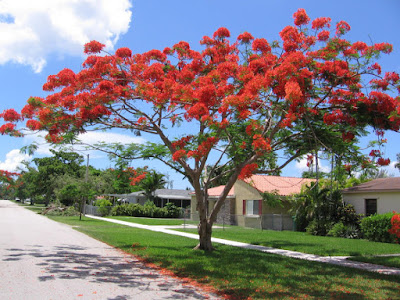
(252, 207)
(370, 207)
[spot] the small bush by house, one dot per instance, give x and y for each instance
(376, 228)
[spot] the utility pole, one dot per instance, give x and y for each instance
(86, 181)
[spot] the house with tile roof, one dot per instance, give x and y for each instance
(379, 196)
(245, 205)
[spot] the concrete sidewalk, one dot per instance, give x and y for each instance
(336, 260)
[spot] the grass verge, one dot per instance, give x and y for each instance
(37, 208)
(241, 273)
(303, 242)
(390, 261)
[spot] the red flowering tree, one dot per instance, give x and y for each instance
(232, 106)
(8, 180)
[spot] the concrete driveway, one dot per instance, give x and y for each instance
(43, 259)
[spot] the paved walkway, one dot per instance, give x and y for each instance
(336, 260)
(41, 259)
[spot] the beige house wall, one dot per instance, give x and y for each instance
(386, 201)
(276, 218)
(244, 191)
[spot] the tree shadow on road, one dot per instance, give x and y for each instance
(69, 262)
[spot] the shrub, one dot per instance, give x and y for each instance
(376, 228)
(338, 230)
(104, 206)
(348, 216)
(172, 211)
(148, 210)
(119, 210)
(102, 202)
(151, 210)
(135, 210)
(70, 211)
(319, 227)
(344, 231)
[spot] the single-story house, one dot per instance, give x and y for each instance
(380, 196)
(245, 206)
(180, 198)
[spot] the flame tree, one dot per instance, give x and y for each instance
(238, 103)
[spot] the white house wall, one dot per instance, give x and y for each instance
(386, 201)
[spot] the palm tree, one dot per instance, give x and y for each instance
(151, 183)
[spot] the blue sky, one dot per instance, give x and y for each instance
(39, 38)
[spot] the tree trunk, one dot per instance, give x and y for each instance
(205, 232)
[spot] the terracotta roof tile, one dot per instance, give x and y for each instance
(284, 186)
(216, 191)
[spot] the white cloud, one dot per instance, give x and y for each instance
(301, 165)
(31, 30)
(109, 137)
(391, 169)
(14, 158)
(89, 138)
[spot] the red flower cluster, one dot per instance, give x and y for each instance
(6, 176)
(221, 33)
(347, 167)
(375, 153)
(300, 17)
(93, 47)
(323, 35)
(178, 154)
(292, 38)
(123, 52)
(245, 37)
(310, 160)
(181, 143)
(342, 27)
(348, 136)
(10, 115)
(395, 228)
(383, 161)
(320, 23)
(247, 171)
(203, 149)
(7, 128)
(260, 144)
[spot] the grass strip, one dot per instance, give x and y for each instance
(242, 273)
(37, 208)
(303, 242)
(390, 261)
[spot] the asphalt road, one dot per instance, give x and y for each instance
(43, 259)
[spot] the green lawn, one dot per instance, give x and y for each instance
(241, 273)
(36, 207)
(390, 261)
(153, 221)
(303, 242)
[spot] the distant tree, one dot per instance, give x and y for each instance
(49, 168)
(397, 165)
